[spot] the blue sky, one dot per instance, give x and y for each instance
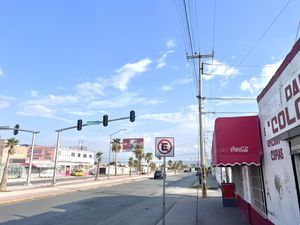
(66, 60)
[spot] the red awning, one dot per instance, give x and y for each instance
(236, 141)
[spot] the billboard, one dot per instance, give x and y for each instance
(41, 153)
(130, 143)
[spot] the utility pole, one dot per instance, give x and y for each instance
(202, 178)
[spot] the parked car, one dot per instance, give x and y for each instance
(77, 173)
(158, 174)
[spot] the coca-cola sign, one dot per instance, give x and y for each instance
(242, 149)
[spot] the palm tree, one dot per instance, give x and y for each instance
(136, 165)
(180, 165)
(139, 154)
(152, 165)
(130, 164)
(175, 166)
(10, 144)
(116, 147)
(170, 164)
(148, 158)
(99, 158)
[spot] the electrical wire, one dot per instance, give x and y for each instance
(263, 34)
(297, 32)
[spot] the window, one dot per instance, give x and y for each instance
(257, 189)
(84, 155)
(78, 155)
(90, 156)
(59, 152)
(73, 154)
(237, 178)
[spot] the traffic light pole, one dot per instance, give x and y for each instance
(32, 147)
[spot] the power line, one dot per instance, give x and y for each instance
(264, 33)
(236, 65)
(297, 32)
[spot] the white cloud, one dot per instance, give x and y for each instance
(166, 88)
(85, 113)
(40, 111)
(257, 83)
(220, 69)
(171, 43)
(53, 100)
(129, 71)
(34, 93)
(5, 101)
(166, 117)
(184, 81)
(1, 72)
(124, 100)
(89, 89)
(4, 104)
(162, 59)
(37, 110)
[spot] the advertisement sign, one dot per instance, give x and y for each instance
(129, 144)
(41, 153)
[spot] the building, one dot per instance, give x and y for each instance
(262, 152)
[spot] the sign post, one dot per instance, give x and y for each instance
(164, 147)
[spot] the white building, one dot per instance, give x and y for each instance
(70, 159)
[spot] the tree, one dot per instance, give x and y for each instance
(153, 165)
(148, 158)
(170, 164)
(99, 158)
(10, 144)
(116, 147)
(136, 165)
(180, 165)
(139, 154)
(175, 166)
(130, 164)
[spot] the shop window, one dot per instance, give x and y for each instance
(237, 179)
(73, 154)
(84, 155)
(257, 189)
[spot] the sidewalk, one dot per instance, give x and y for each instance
(21, 193)
(210, 209)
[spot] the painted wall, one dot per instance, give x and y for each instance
(278, 112)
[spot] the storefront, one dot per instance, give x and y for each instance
(279, 112)
(237, 145)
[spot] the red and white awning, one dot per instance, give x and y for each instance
(236, 141)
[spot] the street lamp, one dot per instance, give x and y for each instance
(110, 149)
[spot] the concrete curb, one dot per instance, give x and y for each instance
(43, 191)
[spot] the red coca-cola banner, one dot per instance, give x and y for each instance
(236, 141)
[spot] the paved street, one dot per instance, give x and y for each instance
(134, 203)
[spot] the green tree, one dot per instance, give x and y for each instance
(180, 165)
(148, 158)
(170, 165)
(99, 158)
(139, 154)
(116, 147)
(10, 144)
(136, 165)
(130, 164)
(153, 165)
(175, 166)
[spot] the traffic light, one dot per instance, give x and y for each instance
(105, 120)
(79, 124)
(16, 131)
(132, 116)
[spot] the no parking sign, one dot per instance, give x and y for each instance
(164, 147)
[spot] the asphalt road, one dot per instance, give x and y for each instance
(137, 203)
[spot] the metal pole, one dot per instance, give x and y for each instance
(203, 177)
(55, 162)
(109, 156)
(164, 193)
(31, 158)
